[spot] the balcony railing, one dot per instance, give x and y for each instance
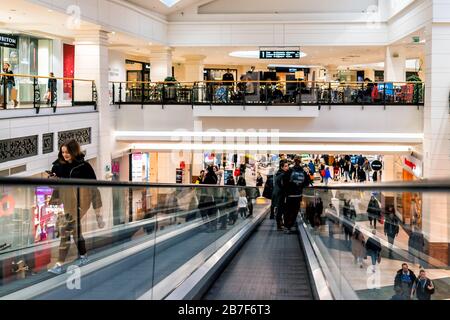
(267, 93)
(26, 91)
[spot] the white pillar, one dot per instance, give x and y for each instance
(57, 67)
(388, 173)
(160, 64)
(193, 67)
(436, 143)
(395, 64)
(92, 62)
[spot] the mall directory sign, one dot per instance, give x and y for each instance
(8, 41)
(279, 53)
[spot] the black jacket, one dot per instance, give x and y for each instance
(210, 178)
(259, 182)
(391, 227)
(8, 79)
(373, 209)
(296, 189)
(416, 241)
(268, 187)
(279, 188)
(406, 286)
(78, 169)
(373, 245)
(422, 291)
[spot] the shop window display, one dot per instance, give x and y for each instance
(46, 215)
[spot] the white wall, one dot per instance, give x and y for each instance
(116, 15)
(117, 70)
(22, 127)
(395, 119)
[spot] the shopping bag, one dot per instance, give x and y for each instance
(13, 94)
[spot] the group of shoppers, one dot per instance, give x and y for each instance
(285, 189)
(407, 285)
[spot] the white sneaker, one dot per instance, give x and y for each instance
(83, 260)
(57, 269)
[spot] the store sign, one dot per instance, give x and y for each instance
(8, 41)
(179, 175)
(136, 168)
(376, 165)
(414, 165)
(279, 54)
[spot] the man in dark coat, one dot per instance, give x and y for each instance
(298, 179)
(391, 228)
(279, 192)
(373, 211)
(405, 280)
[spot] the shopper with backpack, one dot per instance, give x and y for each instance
(298, 179)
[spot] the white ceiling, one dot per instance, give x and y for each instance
(285, 6)
(159, 7)
(323, 55)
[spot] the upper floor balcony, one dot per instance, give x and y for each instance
(31, 95)
(250, 98)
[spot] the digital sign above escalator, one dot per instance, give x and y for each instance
(279, 54)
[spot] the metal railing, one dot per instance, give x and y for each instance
(250, 92)
(22, 91)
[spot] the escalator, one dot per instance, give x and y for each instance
(271, 265)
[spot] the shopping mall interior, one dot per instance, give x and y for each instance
(161, 96)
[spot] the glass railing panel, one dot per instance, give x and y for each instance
(365, 236)
(199, 221)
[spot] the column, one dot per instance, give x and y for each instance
(394, 64)
(92, 62)
(436, 143)
(332, 73)
(57, 67)
(193, 67)
(160, 64)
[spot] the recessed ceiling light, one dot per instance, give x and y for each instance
(113, 32)
(50, 10)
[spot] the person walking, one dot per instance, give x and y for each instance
(423, 287)
(259, 180)
(358, 249)
(268, 191)
(242, 204)
(366, 168)
(207, 202)
(327, 176)
(281, 181)
(391, 228)
(373, 211)
(10, 83)
(298, 179)
(404, 281)
(373, 247)
(77, 201)
(416, 245)
(51, 89)
(347, 168)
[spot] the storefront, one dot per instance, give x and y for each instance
(27, 55)
(408, 204)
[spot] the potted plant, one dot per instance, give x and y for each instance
(170, 88)
(418, 88)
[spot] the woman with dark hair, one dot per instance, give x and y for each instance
(76, 201)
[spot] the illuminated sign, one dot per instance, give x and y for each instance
(279, 54)
(8, 41)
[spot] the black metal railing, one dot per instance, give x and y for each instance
(268, 93)
(30, 91)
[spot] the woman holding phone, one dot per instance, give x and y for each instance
(71, 165)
